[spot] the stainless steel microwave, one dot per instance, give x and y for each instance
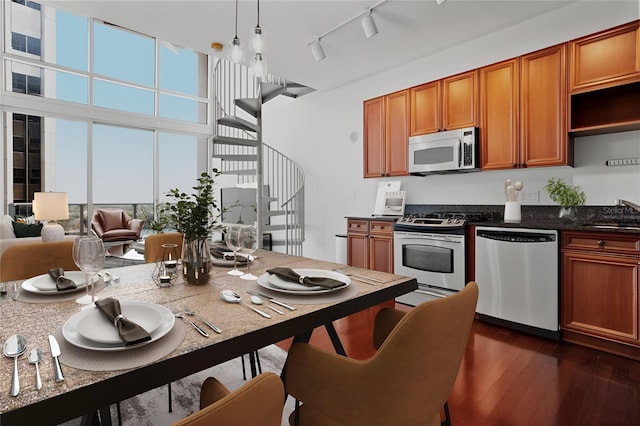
(444, 152)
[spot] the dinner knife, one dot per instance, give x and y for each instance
(272, 300)
(55, 353)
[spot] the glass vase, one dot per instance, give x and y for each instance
(196, 261)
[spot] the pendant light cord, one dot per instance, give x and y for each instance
(236, 18)
(258, 13)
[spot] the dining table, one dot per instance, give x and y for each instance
(97, 376)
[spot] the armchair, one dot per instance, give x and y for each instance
(258, 402)
(405, 383)
(115, 225)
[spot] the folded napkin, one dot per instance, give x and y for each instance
(219, 254)
(130, 332)
(62, 283)
(288, 274)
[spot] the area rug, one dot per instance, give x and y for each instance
(151, 408)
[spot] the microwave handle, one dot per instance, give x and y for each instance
(459, 153)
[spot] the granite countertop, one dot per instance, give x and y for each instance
(535, 217)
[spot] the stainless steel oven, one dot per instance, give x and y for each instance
(432, 250)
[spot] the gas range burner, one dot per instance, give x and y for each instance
(432, 221)
(437, 220)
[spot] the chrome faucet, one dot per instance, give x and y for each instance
(628, 204)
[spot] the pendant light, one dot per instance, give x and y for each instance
(258, 41)
(235, 50)
(259, 65)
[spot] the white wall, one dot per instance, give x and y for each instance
(315, 132)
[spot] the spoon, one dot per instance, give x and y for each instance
(35, 356)
(13, 348)
(257, 300)
(231, 296)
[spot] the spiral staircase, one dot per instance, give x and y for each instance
(240, 152)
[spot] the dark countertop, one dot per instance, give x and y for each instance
(534, 217)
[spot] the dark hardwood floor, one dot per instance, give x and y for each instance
(512, 378)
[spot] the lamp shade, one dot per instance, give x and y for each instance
(50, 206)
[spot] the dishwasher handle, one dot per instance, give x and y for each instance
(515, 236)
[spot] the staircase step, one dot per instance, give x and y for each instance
(247, 172)
(234, 141)
(249, 105)
(283, 243)
(281, 227)
(274, 213)
(269, 91)
(294, 90)
(238, 123)
(235, 157)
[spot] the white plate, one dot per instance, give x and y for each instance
(95, 326)
(71, 334)
(44, 284)
(267, 281)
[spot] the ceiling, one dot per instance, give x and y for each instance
(408, 30)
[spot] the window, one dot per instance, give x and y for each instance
(23, 43)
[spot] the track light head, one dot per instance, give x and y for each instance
(369, 25)
(317, 51)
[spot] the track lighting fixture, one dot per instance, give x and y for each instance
(235, 49)
(369, 25)
(317, 50)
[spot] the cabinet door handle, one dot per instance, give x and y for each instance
(600, 243)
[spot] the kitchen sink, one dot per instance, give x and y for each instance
(623, 226)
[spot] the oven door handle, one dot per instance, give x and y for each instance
(430, 238)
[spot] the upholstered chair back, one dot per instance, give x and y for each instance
(29, 260)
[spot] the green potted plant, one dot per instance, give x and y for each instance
(568, 196)
(196, 217)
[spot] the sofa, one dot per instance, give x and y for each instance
(8, 236)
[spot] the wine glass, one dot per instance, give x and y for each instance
(86, 299)
(91, 260)
(249, 245)
(233, 239)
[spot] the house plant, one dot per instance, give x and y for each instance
(568, 196)
(195, 216)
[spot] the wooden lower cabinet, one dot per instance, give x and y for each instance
(600, 291)
(370, 244)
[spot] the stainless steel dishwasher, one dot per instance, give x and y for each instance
(517, 276)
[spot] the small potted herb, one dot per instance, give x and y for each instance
(568, 196)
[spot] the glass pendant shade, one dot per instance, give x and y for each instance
(235, 50)
(258, 40)
(259, 65)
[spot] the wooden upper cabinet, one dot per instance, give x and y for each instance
(499, 109)
(543, 108)
(374, 136)
(460, 101)
(606, 59)
(426, 111)
(397, 133)
(386, 135)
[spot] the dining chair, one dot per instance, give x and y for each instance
(258, 402)
(404, 383)
(153, 249)
(24, 261)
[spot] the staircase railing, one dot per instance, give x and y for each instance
(257, 162)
